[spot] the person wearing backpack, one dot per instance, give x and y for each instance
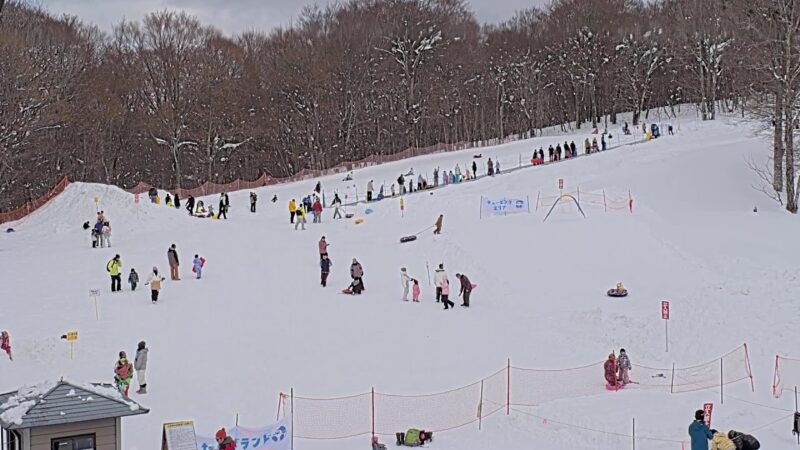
(140, 365)
(113, 268)
(123, 374)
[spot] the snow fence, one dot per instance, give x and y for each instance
(379, 413)
(787, 375)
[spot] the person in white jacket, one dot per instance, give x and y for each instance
(404, 281)
(439, 277)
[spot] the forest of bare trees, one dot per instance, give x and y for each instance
(173, 102)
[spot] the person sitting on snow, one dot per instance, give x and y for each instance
(377, 445)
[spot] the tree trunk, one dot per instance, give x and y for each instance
(777, 145)
(788, 133)
(175, 158)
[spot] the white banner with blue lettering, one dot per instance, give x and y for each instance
(504, 206)
(271, 437)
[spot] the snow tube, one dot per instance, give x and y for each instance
(349, 215)
(408, 238)
(617, 293)
(359, 221)
(368, 211)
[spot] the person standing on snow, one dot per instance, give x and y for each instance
(446, 295)
(497, 166)
(123, 374)
(253, 200)
(224, 441)
(435, 178)
(292, 210)
(623, 365)
(172, 258)
(415, 290)
(300, 215)
(155, 284)
(337, 203)
(699, 431)
(401, 181)
(323, 247)
(474, 169)
(573, 148)
(317, 209)
(370, 188)
(177, 201)
(223, 206)
(404, 282)
(133, 279)
(5, 343)
(140, 364)
(466, 288)
(439, 277)
(190, 205)
(490, 167)
(113, 267)
(438, 224)
(197, 266)
(325, 269)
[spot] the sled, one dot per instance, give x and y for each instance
(478, 156)
(349, 215)
(617, 293)
(369, 211)
(474, 285)
(618, 387)
(359, 221)
(405, 239)
(347, 291)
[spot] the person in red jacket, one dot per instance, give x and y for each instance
(317, 208)
(225, 442)
(5, 344)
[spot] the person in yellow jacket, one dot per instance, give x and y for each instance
(721, 442)
(292, 210)
(301, 218)
(114, 267)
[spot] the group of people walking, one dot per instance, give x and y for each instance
(114, 268)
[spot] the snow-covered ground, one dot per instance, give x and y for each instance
(259, 323)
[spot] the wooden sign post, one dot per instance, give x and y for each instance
(95, 294)
(665, 317)
(71, 337)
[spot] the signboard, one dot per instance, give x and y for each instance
(504, 206)
(665, 310)
(94, 292)
(96, 200)
(179, 436)
(560, 183)
(708, 408)
(72, 336)
(271, 437)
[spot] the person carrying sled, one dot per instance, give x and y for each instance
(253, 200)
(133, 279)
(439, 277)
(325, 269)
(174, 263)
(113, 267)
(466, 289)
(123, 374)
(155, 284)
(610, 370)
(140, 365)
(357, 274)
(404, 282)
(624, 366)
(699, 431)
(197, 266)
(5, 344)
(224, 441)
(438, 224)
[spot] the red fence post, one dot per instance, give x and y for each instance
(508, 387)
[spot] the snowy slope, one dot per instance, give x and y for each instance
(258, 323)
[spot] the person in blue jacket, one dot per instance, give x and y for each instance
(699, 431)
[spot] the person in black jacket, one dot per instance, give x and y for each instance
(190, 205)
(325, 266)
(223, 206)
(743, 441)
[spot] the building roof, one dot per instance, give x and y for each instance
(61, 402)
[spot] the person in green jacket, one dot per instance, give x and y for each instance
(123, 374)
(113, 267)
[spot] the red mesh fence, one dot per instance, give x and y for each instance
(33, 205)
(385, 414)
(787, 375)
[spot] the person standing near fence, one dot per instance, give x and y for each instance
(190, 205)
(624, 364)
(370, 188)
(699, 431)
(223, 206)
(253, 200)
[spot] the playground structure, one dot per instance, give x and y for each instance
(583, 198)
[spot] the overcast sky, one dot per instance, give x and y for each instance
(234, 16)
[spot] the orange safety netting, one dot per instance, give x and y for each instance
(33, 205)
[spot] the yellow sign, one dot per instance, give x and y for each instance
(96, 200)
(72, 336)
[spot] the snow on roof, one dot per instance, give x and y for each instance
(16, 405)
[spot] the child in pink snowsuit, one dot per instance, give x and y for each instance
(5, 344)
(415, 291)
